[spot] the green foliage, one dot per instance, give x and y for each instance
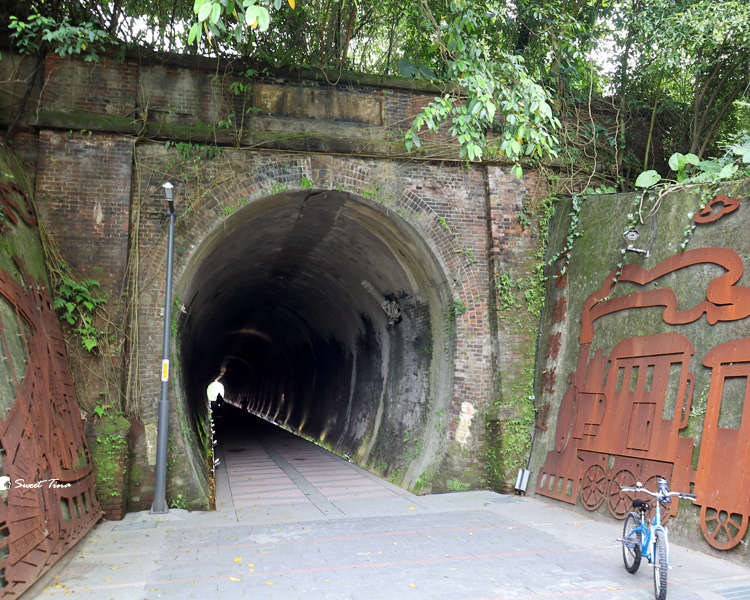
(178, 501)
(175, 324)
(526, 215)
(30, 34)
(505, 288)
(690, 170)
(278, 188)
(110, 448)
(230, 18)
(686, 60)
(574, 231)
(305, 182)
(647, 179)
(469, 254)
(493, 90)
(532, 286)
(457, 309)
(203, 426)
(509, 440)
(516, 442)
(456, 485)
(196, 151)
(77, 303)
(423, 484)
(236, 122)
(514, 81)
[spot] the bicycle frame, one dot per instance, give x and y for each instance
(647, 532)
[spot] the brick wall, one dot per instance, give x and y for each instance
(515, 253)
(83, 198)
(83, 195)
(513, 250)
(106, 87)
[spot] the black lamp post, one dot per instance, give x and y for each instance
(162, 433)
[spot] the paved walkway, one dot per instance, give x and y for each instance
(295, 522)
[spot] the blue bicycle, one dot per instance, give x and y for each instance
(641, 538)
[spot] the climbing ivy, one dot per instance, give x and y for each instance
(77, 303)
(108, 453)
(509, 436)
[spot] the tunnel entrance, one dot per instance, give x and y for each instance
(325, 314)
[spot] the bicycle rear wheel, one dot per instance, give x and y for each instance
(660, 566)
(631, 543)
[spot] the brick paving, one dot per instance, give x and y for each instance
(296, 522)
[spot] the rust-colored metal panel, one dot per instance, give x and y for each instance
(718, 207)
(51, 502)
(725, 301)
(613, 433)
(722, 481)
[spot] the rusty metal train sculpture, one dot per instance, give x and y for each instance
(623, 416)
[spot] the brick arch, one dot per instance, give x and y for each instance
(442, 206)
(277, 173)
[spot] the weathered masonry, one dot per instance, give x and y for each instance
(332, 283)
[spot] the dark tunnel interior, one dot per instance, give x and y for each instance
(322, 313)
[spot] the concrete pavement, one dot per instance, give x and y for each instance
(296, 522)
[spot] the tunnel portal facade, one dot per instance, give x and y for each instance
(340, 298)
(333, 283)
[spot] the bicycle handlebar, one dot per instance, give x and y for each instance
(659, 495)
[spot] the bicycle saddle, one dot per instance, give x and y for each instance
(640, 505)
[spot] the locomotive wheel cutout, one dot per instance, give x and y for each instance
(618, 502)
(593, 487)
(722, 529)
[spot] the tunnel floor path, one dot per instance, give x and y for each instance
(294, 522)
(267, 473)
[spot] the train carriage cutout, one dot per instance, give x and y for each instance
(722, 480)
(614, 433)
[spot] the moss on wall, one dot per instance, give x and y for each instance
(20, 239)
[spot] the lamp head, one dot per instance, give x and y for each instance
(168, 191)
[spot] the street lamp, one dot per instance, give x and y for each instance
(162, 432)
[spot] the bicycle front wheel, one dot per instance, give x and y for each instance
(660, 566)
(631, 543)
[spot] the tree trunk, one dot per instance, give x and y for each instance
(653, 120)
